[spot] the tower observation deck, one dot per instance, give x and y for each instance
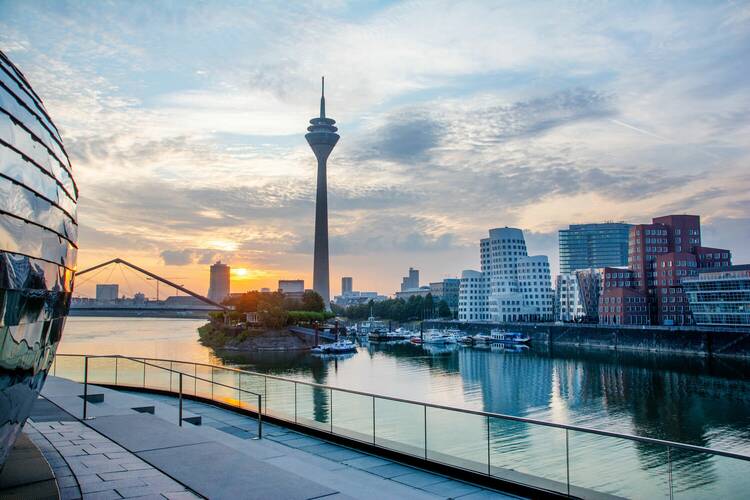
(322, 137)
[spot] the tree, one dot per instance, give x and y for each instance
(312, 301)
(271, 311)
(428, 306)
(444, 311)
(247, 302)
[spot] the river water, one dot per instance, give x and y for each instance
(687, 399)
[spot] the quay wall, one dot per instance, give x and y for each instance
(688, 340)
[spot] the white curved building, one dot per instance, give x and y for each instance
(518, 287)
(472, 297)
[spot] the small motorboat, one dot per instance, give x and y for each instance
(339, 347)
(481, 338)
(512, 338)
(466, 340)
(438, 337)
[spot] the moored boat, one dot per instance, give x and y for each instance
(503, 337)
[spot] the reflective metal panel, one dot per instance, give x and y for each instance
(38, 234)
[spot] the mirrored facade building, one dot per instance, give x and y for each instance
(586, 246)
(38, 234)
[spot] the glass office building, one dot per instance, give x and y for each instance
(720, 297)
(586, 246)
(38, 234)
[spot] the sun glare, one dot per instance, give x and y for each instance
(240, 272)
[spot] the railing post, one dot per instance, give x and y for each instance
(144, 372)
(373, 420)
(567, 460)
(489, 469)
(331, 412)
(260, 420)
(85, 385)
(669, 469)
(117, 358)
(170, 379)
(425, 431)
(295, 402)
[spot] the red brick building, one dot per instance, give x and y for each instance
(660, 254)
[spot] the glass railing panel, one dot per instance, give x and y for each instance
(352, 415)
(188, 377)
(399, 426)
(102, 371)
(458, 439)
(157, 375)
(203, 385)
(617, 466)
(528, 453)
(313, 406)
(702, 475)
(130, 372)
(254, 384)
(226, 386)
(279, 401)
(70, 367)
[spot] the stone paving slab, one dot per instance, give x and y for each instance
(95, 467)
(454, 489)
(216, 471)
(142, 431)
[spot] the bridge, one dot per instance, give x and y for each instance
(210, 305)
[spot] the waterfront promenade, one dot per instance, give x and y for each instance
(124, 450)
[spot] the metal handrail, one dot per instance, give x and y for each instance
(631, 437)
(170, 370)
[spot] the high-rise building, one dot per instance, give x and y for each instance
(518, 286)
(720, 297)
(219, 286)
(586, 246)
(410, 282)
(322, 138)
(660, 255)
(347, 285)
(577, 295)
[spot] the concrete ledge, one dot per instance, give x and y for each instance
(93, 398)
(145, 409)
(197, 420)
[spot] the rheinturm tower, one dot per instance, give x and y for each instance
(322, 137)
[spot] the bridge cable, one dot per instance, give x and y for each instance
(130, 289)
(87, 278)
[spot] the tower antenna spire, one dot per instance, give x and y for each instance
(322, 96)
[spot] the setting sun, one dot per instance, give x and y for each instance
(240, 273)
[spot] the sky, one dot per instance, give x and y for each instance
(185, 125)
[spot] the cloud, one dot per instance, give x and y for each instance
(405, 137)
(177, 257)
(188, 143)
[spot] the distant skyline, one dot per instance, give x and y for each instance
(185, 124)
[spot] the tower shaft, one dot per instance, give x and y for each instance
(320, 258)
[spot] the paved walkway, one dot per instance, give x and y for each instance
(219, 460)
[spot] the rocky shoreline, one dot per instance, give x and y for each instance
(256, 339)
